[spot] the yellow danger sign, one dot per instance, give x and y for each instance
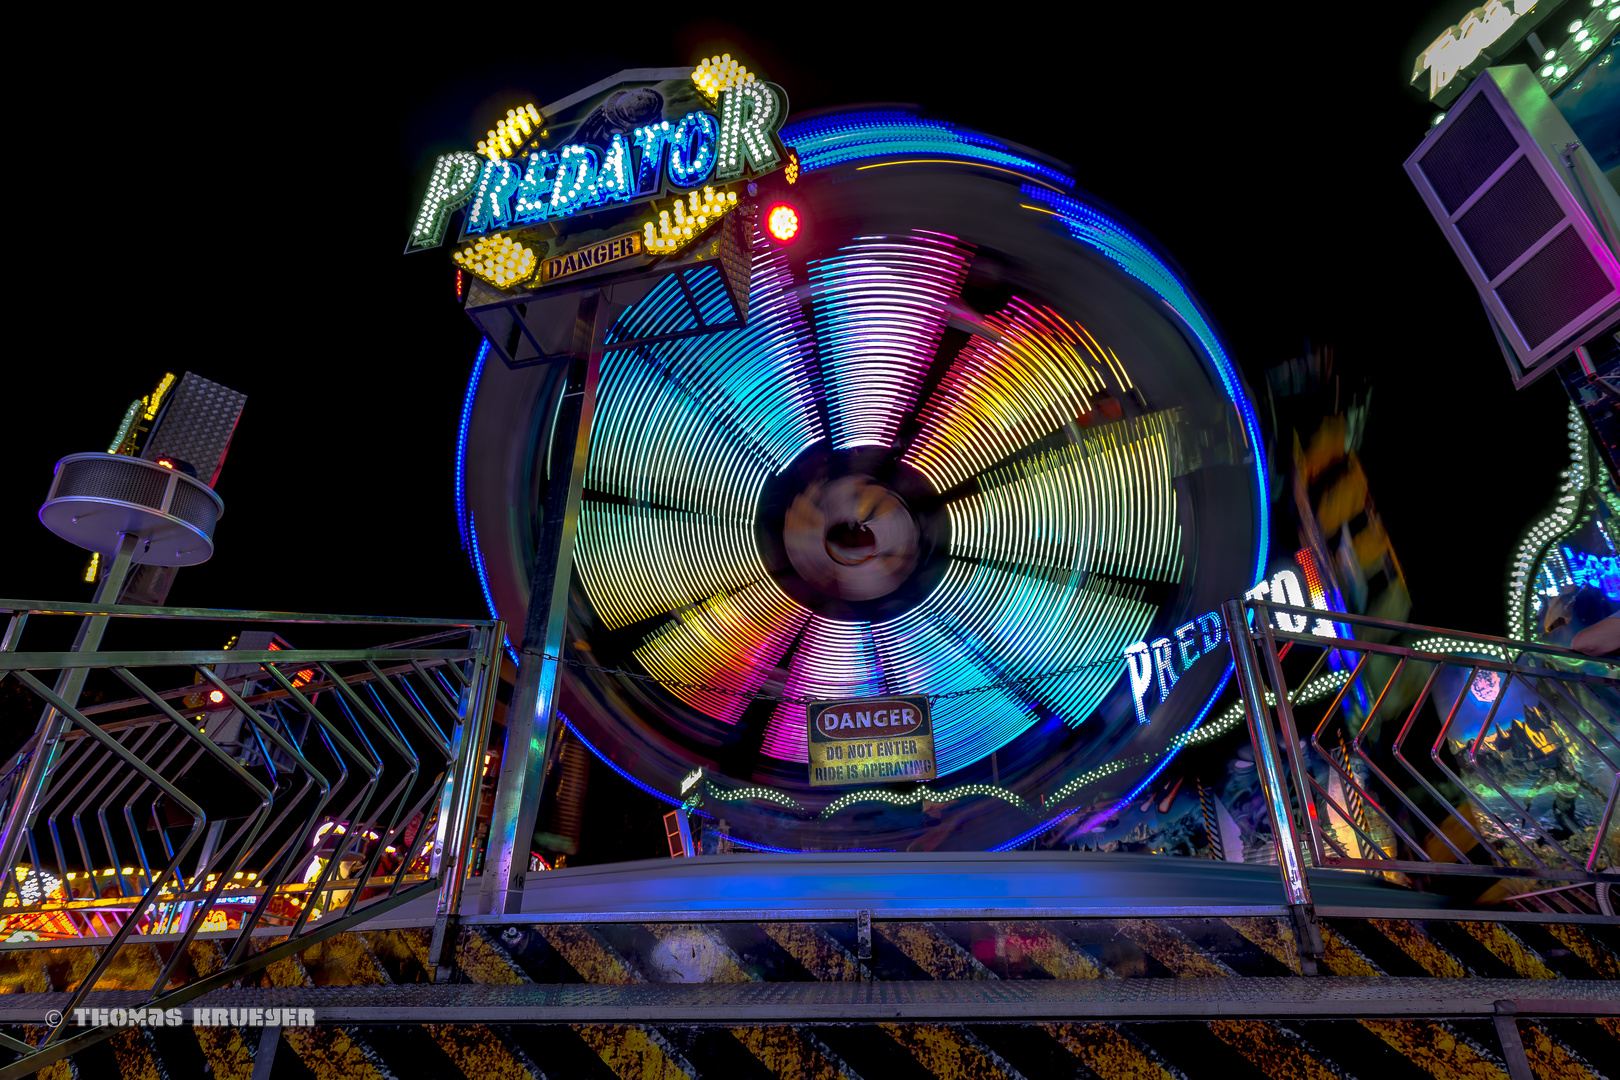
(589, 258)
(862, 740)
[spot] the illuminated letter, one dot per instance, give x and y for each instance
(531, 204)
(1140, 665)
(654, 141)
(691, 149)
(1209, 625)
(1186, 644)
(576, 176)
(613, 179)
(1285, 589)
(492, 207)
(451, 185)
(1162, 665)
(750, 114)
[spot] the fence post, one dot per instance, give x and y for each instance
(1268, 764)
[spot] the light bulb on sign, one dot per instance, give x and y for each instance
(783, 222)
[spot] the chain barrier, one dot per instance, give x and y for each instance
(756, 695)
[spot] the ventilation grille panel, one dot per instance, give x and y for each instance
(1466, 153)
(112, 478)
(1507, 220)
(195, 508)
(1553, 288)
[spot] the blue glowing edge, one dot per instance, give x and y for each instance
(886, 133)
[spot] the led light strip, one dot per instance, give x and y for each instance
(880, 310)
(1038, 373)
(1524, 594)
(764, 794)
(833, 660)
(1132, 255)
(923, 793)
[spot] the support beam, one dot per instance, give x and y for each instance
(69, 684)
(531, 716)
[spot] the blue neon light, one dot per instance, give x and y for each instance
(753, 846)
(873, 133)
(604, 759)
(461, 444)
(464, 521)
(483, 583)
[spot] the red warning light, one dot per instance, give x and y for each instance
(216, 696)
(783, 222)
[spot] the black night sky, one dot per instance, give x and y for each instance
(238, 209)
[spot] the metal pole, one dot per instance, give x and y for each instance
(458, 805)
(69, 684)
(1295, 886)
(534, 699)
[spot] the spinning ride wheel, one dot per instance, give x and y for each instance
(976, 438)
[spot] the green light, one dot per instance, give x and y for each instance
(1563, 70)
(1587, 44)
(1549, 54)
(1546, 71)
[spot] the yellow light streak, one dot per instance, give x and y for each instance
(962, 161)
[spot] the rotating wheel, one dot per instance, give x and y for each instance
(976, 439)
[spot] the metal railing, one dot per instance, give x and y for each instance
(291, 790)
(1440, 754)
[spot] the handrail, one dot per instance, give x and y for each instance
(1470, 784)
(386, 740)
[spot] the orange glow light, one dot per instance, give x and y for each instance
(783, 222)
(216, 696)
(165, 462)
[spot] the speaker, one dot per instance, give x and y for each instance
(1531, 218)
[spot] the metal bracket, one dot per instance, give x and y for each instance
(1507, 1033)
(442, 949)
